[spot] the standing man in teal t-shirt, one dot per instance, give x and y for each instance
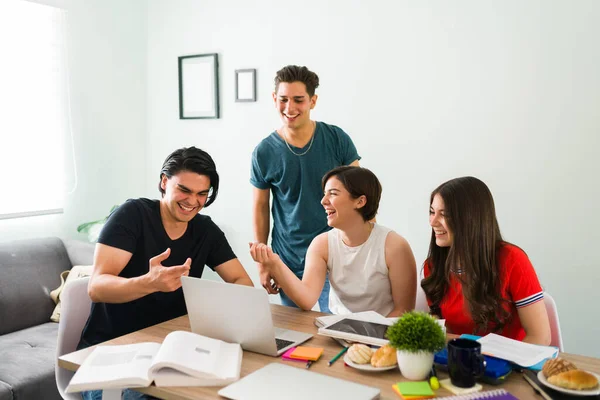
(290, 163)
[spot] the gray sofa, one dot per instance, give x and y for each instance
(29, 270)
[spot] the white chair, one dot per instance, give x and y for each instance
(74, 312)
(75, 309)
(552, 311)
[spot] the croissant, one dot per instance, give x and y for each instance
(556, 366)
(385, 356)
(575, 379)
(360, 353)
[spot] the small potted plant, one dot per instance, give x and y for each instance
(416, 336)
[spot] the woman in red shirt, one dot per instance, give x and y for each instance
(473, 279)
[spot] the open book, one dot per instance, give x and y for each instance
(183, 359)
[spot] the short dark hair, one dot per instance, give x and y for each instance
(191, 159)
(358, 182)
(296, 73)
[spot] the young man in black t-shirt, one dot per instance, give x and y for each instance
(147, 245)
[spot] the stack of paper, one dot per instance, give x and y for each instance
(523, 354)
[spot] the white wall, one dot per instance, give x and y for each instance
(107, 60)
(431, 90)
(506, 91)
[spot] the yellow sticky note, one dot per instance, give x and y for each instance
(307, 353)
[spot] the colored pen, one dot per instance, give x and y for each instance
(338, 355)
(308, 364)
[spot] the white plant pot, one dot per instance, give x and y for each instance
(415, 366)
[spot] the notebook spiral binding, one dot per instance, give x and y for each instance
(490, 394)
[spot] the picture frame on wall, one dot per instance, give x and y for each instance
(245, 85)
(199, 86)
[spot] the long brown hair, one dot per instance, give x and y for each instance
(471, 216)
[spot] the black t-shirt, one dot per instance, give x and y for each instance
(136, 227)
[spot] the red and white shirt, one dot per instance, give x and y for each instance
(519, 284)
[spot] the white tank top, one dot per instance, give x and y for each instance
(359, 275)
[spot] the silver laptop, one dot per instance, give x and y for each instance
(236, 314)
(278, 381)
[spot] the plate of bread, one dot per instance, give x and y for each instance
(364, 358)
(563, 376)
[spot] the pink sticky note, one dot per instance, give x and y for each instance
(286, 355)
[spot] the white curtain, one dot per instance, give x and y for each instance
(35, 137)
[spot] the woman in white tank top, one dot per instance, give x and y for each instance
(370, 267)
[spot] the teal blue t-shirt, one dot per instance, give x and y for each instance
(295, 183)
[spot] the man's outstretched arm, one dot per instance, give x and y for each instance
(106, 286)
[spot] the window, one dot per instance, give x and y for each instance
(35, 138)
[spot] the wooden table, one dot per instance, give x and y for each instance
(291, 318)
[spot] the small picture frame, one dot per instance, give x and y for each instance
(199, 86)
(245, 85)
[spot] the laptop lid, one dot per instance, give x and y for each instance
(235, 314)
(278, 381)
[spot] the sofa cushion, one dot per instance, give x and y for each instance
(5, 392)
(28, 358)
(80, 253)
(29, 270)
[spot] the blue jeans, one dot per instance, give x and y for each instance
(127, 394)
(323, 298)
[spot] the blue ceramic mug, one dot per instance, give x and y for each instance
(465, 362)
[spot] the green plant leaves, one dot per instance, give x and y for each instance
(416, 331)
(86, 226)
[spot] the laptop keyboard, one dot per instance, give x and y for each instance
(281, 343)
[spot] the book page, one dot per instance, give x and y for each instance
(166, 377)
(523, 354)
(229, 362)
(197, 356)
(115, 367)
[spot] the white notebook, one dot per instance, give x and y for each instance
(278, 381)
(523, 354)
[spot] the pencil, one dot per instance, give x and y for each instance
(338, 355)
(308, 364)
